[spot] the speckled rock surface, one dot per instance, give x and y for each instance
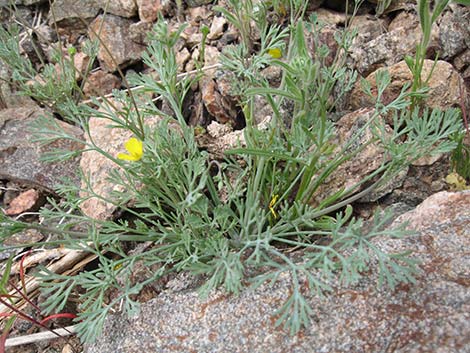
(117, 46)
(100, 83)
(446, 86)
(20, 157)
(71, 12)
(420, 183)
(98, 168)
(389, 48)
(123, 8)
(432, 315)
(454, 31)
(148, 9)
(8, 97)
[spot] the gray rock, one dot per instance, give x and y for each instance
(123, 8)
(391, 47)
(387, 188)
(462, 60)
(6, 93)
(100, 83)
(19, 156)
(432, 315)
(71, 12)
(462, 63)
(449, 37)
(445, 85)
(114, 32)
(368, 28)
(420, 183)
(139, 31)
(454, 32)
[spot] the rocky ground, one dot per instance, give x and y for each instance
(431, 316)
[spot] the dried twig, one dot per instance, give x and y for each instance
(40, 336)
(71, 262)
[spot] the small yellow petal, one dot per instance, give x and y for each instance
(273, 200)
(134, 146)
(127, 157)
(135, 149)
(276, 53)
(275, 215)
(272, 204)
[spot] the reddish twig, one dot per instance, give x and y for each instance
(58, 316)
(24, 296)
(18, 313)
(24, 316)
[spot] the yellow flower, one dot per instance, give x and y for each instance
(276, 53)
(272, 204)
(135, 149)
